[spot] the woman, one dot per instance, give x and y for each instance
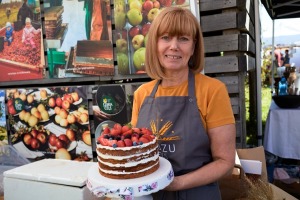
(199, 133)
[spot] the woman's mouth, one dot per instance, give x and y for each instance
(173, 57)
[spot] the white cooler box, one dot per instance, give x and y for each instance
(48, 179)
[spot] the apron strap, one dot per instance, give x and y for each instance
(155, 89)
(191, 86)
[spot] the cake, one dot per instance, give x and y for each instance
(126, 153)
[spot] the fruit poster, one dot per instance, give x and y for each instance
(21, 41)
(50, 122)
(3, 129)
(133, 19)
(110, 106)
(78, 38)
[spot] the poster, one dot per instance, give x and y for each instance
(78, 38)
(110, 105)
(132, 22)
(21, 41)
(3, 128)
(50, 122)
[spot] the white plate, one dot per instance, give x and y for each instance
(37, 95)
(99, 128)
(78, 102)
(51, 112)
(53, 128)
(85, 123)
(82, 147)
(72, 146)
(158, 180)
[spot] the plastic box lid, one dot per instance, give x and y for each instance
(9, 156)
(64, 172)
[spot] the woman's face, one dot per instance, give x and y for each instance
(174, 52)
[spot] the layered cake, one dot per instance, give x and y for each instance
(126, 153)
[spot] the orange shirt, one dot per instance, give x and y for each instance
(212, 99)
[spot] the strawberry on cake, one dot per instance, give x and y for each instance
(125, 153)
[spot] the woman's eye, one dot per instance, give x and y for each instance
(165, 37)
(184, 39)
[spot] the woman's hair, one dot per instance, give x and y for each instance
(176, 22)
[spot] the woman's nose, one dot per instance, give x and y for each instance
(174, 44)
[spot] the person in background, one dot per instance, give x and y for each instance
(24, 12)
(9, 31)
(8, 12)
(28, 34)
(281, 60)
(190, 111)
(286, 59)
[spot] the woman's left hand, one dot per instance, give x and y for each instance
(175, 185)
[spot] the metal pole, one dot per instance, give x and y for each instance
(273, 58)
(258, 72)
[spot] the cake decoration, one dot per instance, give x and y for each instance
(125, 152)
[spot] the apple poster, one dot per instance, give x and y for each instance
(3, 129)
(50, 123)
(133, 19)
(78, 39)
(21, 41)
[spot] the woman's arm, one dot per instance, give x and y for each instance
(222, 140)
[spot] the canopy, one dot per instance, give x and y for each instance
(282, 9)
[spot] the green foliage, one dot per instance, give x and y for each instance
(266, 67)
(13, 16)
(265, 102)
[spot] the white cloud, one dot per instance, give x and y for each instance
(282, 27)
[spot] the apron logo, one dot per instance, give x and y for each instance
(160, 134)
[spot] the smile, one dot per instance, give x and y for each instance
(173, 57)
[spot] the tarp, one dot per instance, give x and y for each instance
(282, 9)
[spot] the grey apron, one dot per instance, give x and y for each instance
(182, 138)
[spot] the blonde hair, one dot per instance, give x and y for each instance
(176, 22)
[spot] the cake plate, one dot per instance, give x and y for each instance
(137, 188)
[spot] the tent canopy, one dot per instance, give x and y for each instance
(282, 9)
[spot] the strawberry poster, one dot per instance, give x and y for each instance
(21, 40)
(3, 129)
(50, 123)
(78, 38)
(133, 19)
(110, 106)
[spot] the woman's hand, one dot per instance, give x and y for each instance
(175, 185)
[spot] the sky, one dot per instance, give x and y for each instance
(282, 27)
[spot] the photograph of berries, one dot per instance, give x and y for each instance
(50, 122)
(78, 38)
(21, 40)
(132, 21)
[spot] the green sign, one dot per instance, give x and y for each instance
(18, 104)
(108, 104)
